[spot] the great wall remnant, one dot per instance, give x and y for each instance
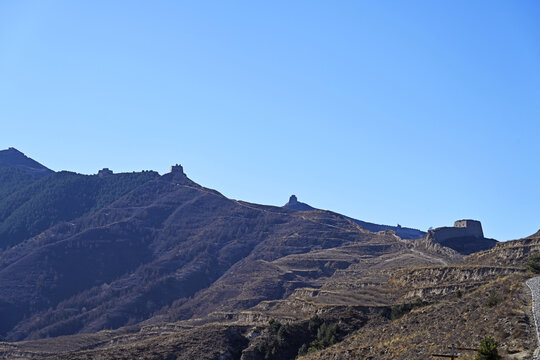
(105, 172)
(177, 169)
(462, 229)
(465, 237)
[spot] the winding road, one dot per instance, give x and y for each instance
(534, 285)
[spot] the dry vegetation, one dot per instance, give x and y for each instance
(462, 321)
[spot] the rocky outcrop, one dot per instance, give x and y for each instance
(296, 205)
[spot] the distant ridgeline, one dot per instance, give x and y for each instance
(466, 236)
(402, 232)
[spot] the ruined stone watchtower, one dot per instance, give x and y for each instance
(474, 227)
(462, 229)
(177, 169)
(465, 237)
(105, 172)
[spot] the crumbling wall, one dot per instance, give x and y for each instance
(461, 228)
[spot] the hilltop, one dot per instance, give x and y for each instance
(18, 171)
(13, 158)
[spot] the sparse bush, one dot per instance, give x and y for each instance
(533, 264)
(459, 294)
(284, 333)
(274, 325)
(492, 300)
(282, 342)
(286, 341)
(314, 323)
(399, 310)
(326, 335)
(488, 350)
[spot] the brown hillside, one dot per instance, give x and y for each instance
(172, 250)
(461, 321)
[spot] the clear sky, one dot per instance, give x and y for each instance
(409, 112)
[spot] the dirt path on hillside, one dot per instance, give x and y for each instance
(534, 285)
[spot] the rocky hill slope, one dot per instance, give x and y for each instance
(483, 296)
(380, 306)
(125, 249)
(161, 267)
(172, 250)
(34, 207)
(403, 232)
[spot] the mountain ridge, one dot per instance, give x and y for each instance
(14, 158)
(159, 228)
(165, 255)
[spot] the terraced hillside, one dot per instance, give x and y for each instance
(291, 288)
(383, 304)
(484, 296)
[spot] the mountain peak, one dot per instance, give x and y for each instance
(12, 149)
(13, 158)
(294, 204)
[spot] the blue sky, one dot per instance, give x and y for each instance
(410, 112)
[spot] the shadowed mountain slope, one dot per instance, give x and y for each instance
(63, 196)
(173, 250)
(18, 171)
(13, 179)
(13, 158)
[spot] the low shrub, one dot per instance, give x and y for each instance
(492, 300)
(488, 350)
(533, 264)
(399, 310)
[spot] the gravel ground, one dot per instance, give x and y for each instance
(534, 285)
